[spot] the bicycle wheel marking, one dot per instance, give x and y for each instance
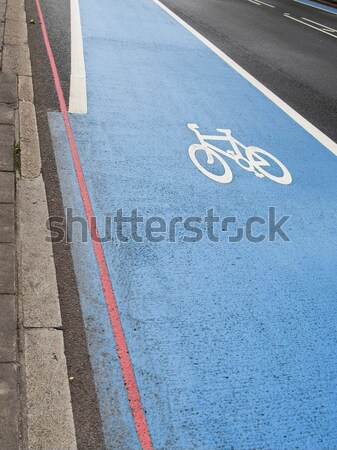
(251, 159)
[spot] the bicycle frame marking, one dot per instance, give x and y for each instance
(250, 158)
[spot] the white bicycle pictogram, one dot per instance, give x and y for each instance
(251, 159)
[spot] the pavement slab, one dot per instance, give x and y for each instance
(8, 89)
(6, 147)
(9, 411)
(1, 34)
(8, 329)
(7, 187)
(7, 269)
(6, 223)
(7, 116)
(2, 10)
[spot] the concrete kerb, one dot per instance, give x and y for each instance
(30, 156)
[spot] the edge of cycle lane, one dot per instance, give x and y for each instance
(217, 333)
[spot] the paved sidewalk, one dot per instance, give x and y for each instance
(35, 403)
(9, 374)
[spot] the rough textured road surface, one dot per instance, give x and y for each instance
(296, 62)
(231, 344)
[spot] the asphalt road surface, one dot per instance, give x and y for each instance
(210, 338)
(297, 62)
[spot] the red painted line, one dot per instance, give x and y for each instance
(115, 320)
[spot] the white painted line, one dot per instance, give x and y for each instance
(317, 7)
(320, 24)
(255, 3)
(304, 123)
(78, 81)
(266, 4)
(288, 16)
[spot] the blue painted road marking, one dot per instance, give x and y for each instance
(318, 6)
(233, 345)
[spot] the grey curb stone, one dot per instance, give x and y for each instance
(29, 141)
(50, 421)
(6, 187)
(6, 224)
(16, 59)
(9, 412)
(16, 10)
(8, 329)
(15, 32)
(6, 147)
(26, 89)
(37, 276)
(7, 272)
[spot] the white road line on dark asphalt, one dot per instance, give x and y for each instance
(314, 6)
(78, 81)
(288, 16)
(304, 123)
(266, 4)
(320, 24)
(259, 3)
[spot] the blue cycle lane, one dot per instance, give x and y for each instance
(233, 344)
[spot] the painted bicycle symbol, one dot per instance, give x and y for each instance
(248, 158)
